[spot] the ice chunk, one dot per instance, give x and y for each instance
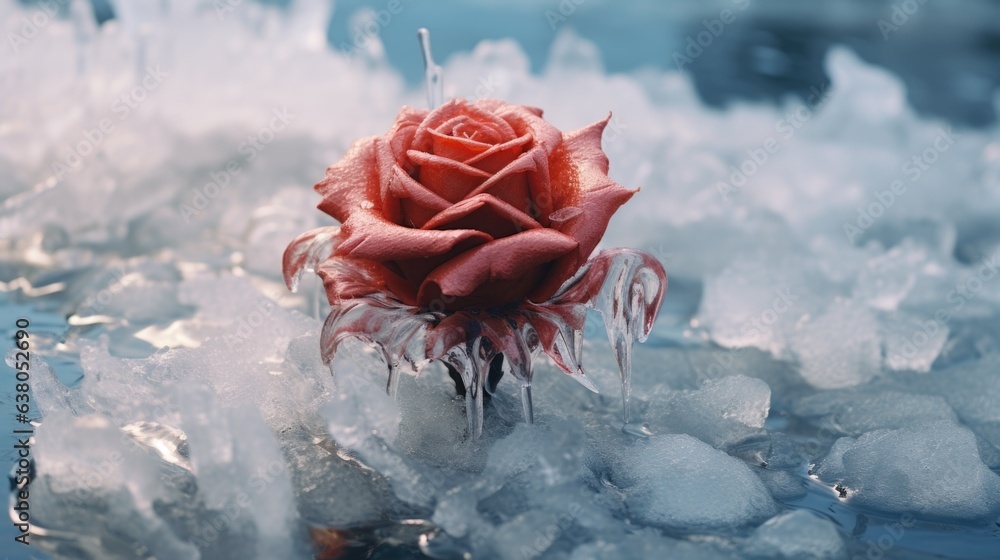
(887, 278)
(912, 342)
(360, 409)
(90, 477)
(839, 348)
(931, 471)
(797, 534)
(680, 482)
(722, 412)
(783, 485)
(853, 413)
(750, 304)
(241, 472)
(650, 544)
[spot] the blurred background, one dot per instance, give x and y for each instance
(947, 57)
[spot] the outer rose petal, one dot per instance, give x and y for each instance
(352, 181)
(346, 278)
(401, 134)
(578, 171)
(369, 236)
(496, 273)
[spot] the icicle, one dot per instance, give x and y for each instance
(84, 30)
(480, 346)
(398, 331)
(529, 412)
(458, 342)
(629, 299)
(517, 341)
(433, 74)
(317, 298)
(306, 252)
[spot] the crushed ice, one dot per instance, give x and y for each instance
(831, 328)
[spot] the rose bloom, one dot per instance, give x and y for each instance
(470, 205)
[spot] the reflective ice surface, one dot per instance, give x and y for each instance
(811, 388)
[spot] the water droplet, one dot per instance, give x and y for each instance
(565, 214)
(638, 430)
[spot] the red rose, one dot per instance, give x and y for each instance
(473, 204)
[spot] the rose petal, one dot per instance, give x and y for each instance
(351, 182)
(580, 168)
(423, 142)
(347, 278)
(483, 212)
(370, 236)
(510, 184)
(417, 203)
(449, 179)
(464, 126)
(499, 156)
(504, 259)
(401, 134)
(458, 148)
(306, 251)
(524, 121)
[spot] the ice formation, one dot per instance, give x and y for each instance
(833, 309)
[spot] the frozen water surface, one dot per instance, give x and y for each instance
(822, 381)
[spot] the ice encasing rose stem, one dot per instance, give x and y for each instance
(625, 286)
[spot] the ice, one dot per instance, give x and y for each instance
(887, 279)
(797, 534)
(241, 473)
(650, 544)
(855, 358)
(163, 334)
(679, 482)
(912, 342)
(854, 413)
(932, 470)
(722, 412)
(85, 461)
